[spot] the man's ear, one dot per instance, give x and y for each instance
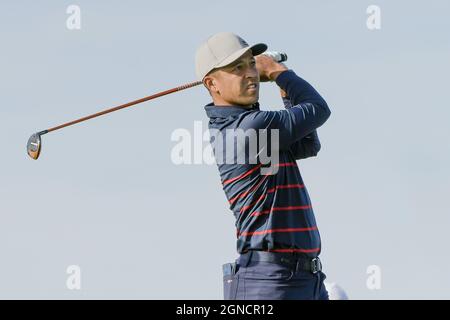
(210, 83)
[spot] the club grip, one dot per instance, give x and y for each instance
(277, 56)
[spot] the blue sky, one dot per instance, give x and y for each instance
(105, 195)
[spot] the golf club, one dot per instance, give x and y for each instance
(34, 143)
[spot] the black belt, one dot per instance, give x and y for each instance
(312, 265)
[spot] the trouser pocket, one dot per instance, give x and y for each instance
(230, 281)
(261, 270)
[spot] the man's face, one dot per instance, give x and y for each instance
(236, 83)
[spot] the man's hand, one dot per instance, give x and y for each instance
(268, 69)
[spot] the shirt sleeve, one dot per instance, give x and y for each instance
(308, 112)
(309, 145)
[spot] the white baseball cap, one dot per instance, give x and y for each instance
(220, 50)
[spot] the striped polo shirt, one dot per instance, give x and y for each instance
(269, 200)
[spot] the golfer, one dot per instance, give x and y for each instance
(278, 239)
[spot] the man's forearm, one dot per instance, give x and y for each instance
(299, 90)
(309, 145)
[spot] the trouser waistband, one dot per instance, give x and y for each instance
(302, 262)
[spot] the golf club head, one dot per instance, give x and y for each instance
(34, 146)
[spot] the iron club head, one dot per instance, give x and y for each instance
(34, 145)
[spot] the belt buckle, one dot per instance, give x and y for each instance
(316, 265)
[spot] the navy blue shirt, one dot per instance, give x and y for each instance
(273, 211)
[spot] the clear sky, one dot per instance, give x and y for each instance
(105, 195)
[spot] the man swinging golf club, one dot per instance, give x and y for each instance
(277, 237)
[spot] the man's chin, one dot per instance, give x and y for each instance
(249, 101)
(254, 99)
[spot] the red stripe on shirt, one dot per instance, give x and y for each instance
(242, 175)
(286, 186)
(247, 192)
(287, 164)
(248, 233)
(253, 203)
(259, 213)
(283, 186)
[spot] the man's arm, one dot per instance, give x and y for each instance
(308, 111)
(309, 145)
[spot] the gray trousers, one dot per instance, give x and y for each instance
(256, 280)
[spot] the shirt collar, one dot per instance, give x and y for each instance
(217, 111)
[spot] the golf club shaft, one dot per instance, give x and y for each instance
(129, 104)
(277, 56)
